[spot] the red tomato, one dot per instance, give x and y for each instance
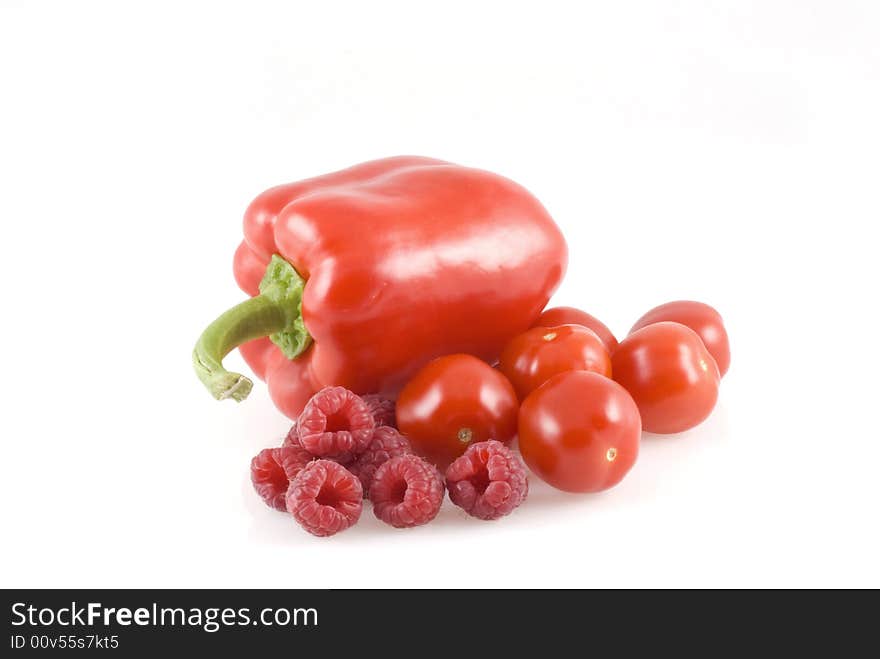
(670, 374)
(571, 316)
(580, 432)
(701, 318)
(535, 356)
(453, 402)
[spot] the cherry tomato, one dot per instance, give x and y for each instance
(670, 374)
(580, 432)
(535, 356)
(453, 402)
(571, 316)
(701, 318)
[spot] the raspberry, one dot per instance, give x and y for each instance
(272, 469)
(335, 424)
(325, 498)
(292, 437)
(387, 443)
(488, 481)
(406, 491)
(383, 410)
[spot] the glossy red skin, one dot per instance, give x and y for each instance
(571, 316)
(670, 374)
(701, 318)
(450, 395)
(579, 432)
(406, 259)
(533, 357)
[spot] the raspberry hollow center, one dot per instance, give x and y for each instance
(337, 421)
(327, 496)
(480, 480)
(280, 481)
(398, 492)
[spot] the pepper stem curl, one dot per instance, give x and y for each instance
(276, 312)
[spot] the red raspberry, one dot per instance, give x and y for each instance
(406, 491)
(335, 424)
(488, 481)
(292, 437)
(272, 469)
(383, 410)
(387, 443)
(325, 498)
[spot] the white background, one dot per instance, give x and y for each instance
(726, 152)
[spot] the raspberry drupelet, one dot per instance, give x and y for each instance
(383, 410)
(292, 437)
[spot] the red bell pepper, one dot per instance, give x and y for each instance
(360, 277)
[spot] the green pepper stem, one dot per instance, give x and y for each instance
(276, 312)
(253, 318)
